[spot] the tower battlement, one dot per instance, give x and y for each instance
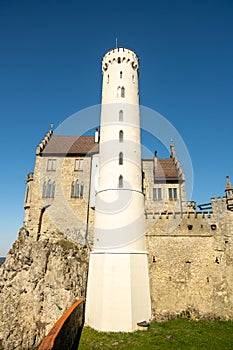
(120, 55)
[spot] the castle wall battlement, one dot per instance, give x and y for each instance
(120, 55)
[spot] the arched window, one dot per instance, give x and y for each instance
(133, 78)
(82, 189)
(53, 190)
(72, 190)
(120, 158)
(77, 190)
(49, 189)
(120, 181)
(119, 91)
(121, 136)
(122, 91)
(121, 116)
(118, 60)
(120, 75)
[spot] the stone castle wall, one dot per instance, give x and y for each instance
(191, 267)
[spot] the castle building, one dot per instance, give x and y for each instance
(189, 252)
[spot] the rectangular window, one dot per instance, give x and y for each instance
(172, 193)
(157, 194)
(78, 164)
(51, 166)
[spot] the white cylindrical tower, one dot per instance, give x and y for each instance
(119, 219)
(118, 284)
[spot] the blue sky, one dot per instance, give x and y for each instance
(50, 68)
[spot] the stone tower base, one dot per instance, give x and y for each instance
(118, 293)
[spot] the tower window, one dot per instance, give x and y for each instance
(51, 165)
(120, 75)
(121, 136)
(172, 193)
(120, 91)
(118, 60)
(157, 194)
(108, 79)
(120, 181)
(133, 78)
(120, 158)
(121, 116)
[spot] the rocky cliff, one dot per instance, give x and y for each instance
(39, 280)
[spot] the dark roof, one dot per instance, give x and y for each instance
(71, 145)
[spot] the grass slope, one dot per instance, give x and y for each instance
(178, 334)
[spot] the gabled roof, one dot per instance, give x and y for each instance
(70, 145)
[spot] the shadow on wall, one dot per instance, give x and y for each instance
(66, 332)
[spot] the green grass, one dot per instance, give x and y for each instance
(177, 334)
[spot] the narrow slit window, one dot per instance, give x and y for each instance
(108, 80)
(120, 75)
(121, 136)
(120, 181)
(122, 91)
(120, 158)
(121, 116)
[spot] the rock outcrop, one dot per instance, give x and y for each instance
(39, 280)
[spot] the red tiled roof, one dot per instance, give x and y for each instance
(166, 169)
(70, 145)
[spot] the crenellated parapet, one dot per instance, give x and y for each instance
(44, 142)
(181, 224)
(120, 55)
(218, 204)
